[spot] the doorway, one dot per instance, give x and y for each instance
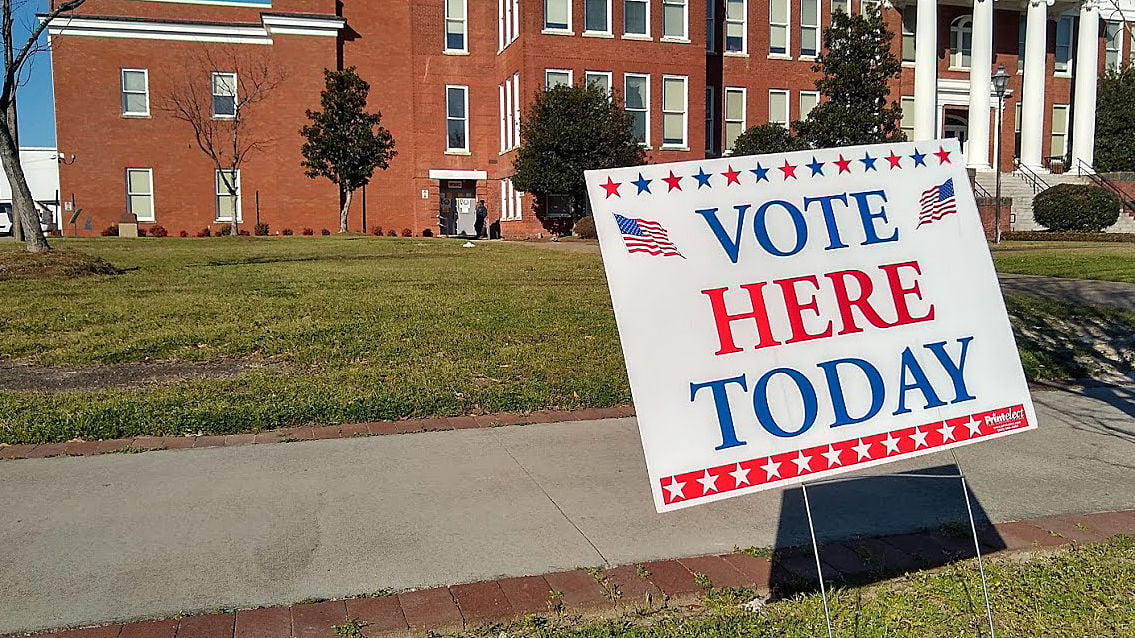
(457, 214)
(956, 125)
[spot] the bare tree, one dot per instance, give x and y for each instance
(216, 95)
(24, 215)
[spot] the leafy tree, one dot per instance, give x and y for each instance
(767, 138)
(856, 69)
(568, 130)
(345, 143)
(1115, 111)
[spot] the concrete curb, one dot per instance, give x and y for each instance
(597, 593)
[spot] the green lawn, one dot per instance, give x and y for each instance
(1086, 591)
(341, 329)
(1076, 260)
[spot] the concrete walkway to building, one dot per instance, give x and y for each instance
(1084, 292)
(98, 539)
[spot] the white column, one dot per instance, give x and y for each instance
(980, 71)
(926, 70)
(1087, 72)
(1032, 90)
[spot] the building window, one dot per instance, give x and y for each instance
(135, 92)
(841, 5)
(228, 204)
(557, 15)
(636, 96)
(1113, 51)
(516, 109)
(636, 14)
(140, 193)
(597, 16)
(961, 42)
(674, 19)
(674, 105)
(710, 121)
(510, 201)
(711, 28)
(556, 77)
(909, 21)
(1064, 32)
(778, 107)
(734, 115)
(1017, 130)
(1059, 131)
(906, 124)
(457, 119)
(224, 95)
(869, 6)
(1021, 44)
(778, 27)
(508, 22)
(509, 112)
(809, 28)
(808, 101)
(455, 26)
(735, 26)
(601, 79)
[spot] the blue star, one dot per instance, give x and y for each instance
(919, 158)
(816, 166)
(702, 177)
(761, 172)
(868, 162)
(643, 184)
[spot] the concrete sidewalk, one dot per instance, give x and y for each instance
(117, 537)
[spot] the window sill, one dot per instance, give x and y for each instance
(1062, 74)
(598, 34)
(641, 37)
(908, 65)
(736, 54)
(780, 56)
(136, 116)
(958, 68)
(224, 117)
(674, 147)
(558, 32)
(674, 39)
(807, 58)
(457, 151)
(455, 52)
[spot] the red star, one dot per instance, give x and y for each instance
(843, 164)
(943, 156)
(672, 181)
(788, 169)
(895, 160)
(612, 188)
(732, 176)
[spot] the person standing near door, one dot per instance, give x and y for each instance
(482, 214)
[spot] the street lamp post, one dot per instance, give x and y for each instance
(1000, 81)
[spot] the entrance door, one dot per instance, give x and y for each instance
(466, 217)
(454, 192)
(956, 125)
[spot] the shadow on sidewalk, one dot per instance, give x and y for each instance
(873, 528)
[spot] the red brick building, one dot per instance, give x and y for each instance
(452, 78)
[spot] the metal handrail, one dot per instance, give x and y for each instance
(980, 190)
(1030, 177)
(1105, 183)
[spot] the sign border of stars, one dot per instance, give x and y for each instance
(787, 171)
(793, 464)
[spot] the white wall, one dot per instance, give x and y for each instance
(41, 167)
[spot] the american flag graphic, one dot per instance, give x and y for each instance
(644, 236)
(937, 202)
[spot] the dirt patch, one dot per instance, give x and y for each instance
(56, 264)
(16, 376)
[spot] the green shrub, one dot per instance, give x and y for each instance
(585, 228)
(1076, 207)
(767, 138)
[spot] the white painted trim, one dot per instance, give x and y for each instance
(685, 80)
(303, 25)
(646, 104)
(231, 34)
(153, 206)
(467, 149)
(631, 35)
(122, 77)
(464, 50)
(221, 3)
(569, 72)
(443, 173)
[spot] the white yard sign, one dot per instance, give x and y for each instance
(788, 317)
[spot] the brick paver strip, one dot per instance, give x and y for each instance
(148, 443)
(527, 594)
(217, 440)
(1022, 535)
(672, 578)
(634, 591)
(579, 589)
(757, 569)
(352, 430)
(268, 622)
(178, 442)
(482, 603)
(15, 451)
(843, 560)
(325, 432)
(233, 440)
(923, 548)
(209, 626)
(463, 423)
(1112, 523)
(432, 609)
(1071, 528)
(154, 629)
(718, 570)
(380, 616)
(110, 631)
(318, 620)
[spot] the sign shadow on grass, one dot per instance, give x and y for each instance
(872, 528)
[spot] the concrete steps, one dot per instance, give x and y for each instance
(1016, 186)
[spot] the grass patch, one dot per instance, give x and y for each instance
(17, 263)
(1075, 260)
(1084, 591)
(1059, 341)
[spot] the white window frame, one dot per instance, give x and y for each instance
(510, 143)
(515, 110)
(906, 103)
(129, 194)
(558, 30)
(908, 13)
(505, 127)
(221, 191)
(957, 42)
(726, 142)
(1067, 18)
(608, 32)
(1063, 135)
(814, 26)
(685, 37)
(589, 76)
(451, 150)
(570, 77)
(146, 92)
(786, 25)
(1114, 31)
(710, 120)
(213, 95)
(508, 20)
(685, 112)
(1021, 29)
(744, 22)
(502, 8)
(787, 106)
(841, 5)
(645, 110)
(864, 4)
(809, 94)
(464, 21)
(711, 29)
(631, 35)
